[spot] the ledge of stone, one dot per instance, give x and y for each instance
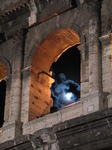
(22, 141)
(90, 119)
(95, 127)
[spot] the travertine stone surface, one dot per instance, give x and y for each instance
(28, 47)
(106, 67)
(15, 106)
(94, 47)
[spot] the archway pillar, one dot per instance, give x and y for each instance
(106, 41)
(16, 85)
(7, 99)
(13, 125)
(94, 47)
(25, 94)
(84, 71)
(92, 101)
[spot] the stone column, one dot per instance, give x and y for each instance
(84, 71)
(15, 107)
(106, 68)
(25, 94)
(91, 103)
(94, 7)
(7, 99)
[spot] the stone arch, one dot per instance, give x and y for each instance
(72, 26)
(49, 50)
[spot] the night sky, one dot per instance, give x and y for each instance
(69, 64)
(66, 72)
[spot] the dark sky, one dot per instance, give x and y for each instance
(69, 64)
(65, 91)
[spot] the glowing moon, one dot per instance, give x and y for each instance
(69, 95)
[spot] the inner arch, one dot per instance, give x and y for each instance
(46, 53)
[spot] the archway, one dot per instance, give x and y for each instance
(47, 52)
(3, 74)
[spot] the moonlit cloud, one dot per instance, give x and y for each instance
(64, 92)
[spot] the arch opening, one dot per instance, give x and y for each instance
(49, 51)
(65, 90)
(3, 74)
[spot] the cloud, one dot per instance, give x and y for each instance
(64, 92)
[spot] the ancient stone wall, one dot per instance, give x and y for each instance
(106, 51)
(24, 26)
